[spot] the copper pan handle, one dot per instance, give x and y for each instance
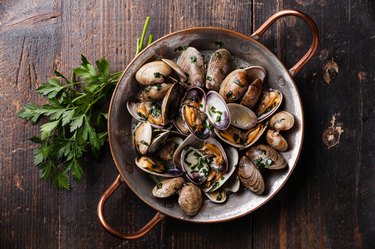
(314, 30)
(141, 232)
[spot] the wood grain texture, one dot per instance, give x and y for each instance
(329, 201)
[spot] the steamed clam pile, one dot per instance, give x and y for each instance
(198, 123)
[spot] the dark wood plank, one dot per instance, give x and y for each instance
(327, 203)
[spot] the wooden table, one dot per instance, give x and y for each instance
(329, 202)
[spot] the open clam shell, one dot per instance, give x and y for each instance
(168, 107)
(195, 164)
(193, 112)
(232, 155)
(142, 137)
(239, 138)
(215, 154)
(241, 116)
(218, 196)
(140, 111)
(158, 140)
(157, 167)
(180, 124)
(269, 103)
(179, 71)
(217, 110)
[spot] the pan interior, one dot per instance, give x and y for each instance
(120, 121)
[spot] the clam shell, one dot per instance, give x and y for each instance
(256, 77)
(167, 151)
(251, 135)
(207, 152)
(191, 62)
(131, 105)
(180, 72)
(217, 111)
(142, 137)
(167, 187)
(219, 66)
(190, 199)
(195, 165)
(250, 176)
(232, 155)
(158, 140)
(234, 86)
(154, 92)
(241, 116)
(282, 121)
(156, 167)
(168, 107)
(233, 184)
(276, 141)
(218, 196)
(264, 156)
(191, 140)
(269, 103)
(152, 73)
(180, 124)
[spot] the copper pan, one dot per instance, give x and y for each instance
(242, 46)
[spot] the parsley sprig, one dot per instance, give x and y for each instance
(76, 120)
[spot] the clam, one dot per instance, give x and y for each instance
(282, 121)
(191, 140)
(270, 102)
(239, 138)
(152, 73)
(154, 92)
(217, 179)
(215, 155)
(264, 156)
(194, 105)
(234, 85)
(190, 199)
(179, 71)
(180, 124)
(195, 164)
(157, 167)
(217, 110)
(218, 196)
(146, 112)
(159, 138)
(250, 176)
(241, 116)
(167, 187)
(168, 106)
(142, 137)
(219, 66)
(168, 149)
(191, 62)
(256, 77)
(233, 184)
(276, 141)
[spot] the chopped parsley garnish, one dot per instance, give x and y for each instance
(193, 59)
(263, 162)
(218, 119)
(155, 110)
(159, 185)
(238, 82)
(144, 142)
(218, 55)
(229, 94)
(157, 75)
(181, 48)
(142, 116)
(208, 78)
(158, 87)
(147, 88)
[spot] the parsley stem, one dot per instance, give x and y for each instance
(150, 39)
(140, 42)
